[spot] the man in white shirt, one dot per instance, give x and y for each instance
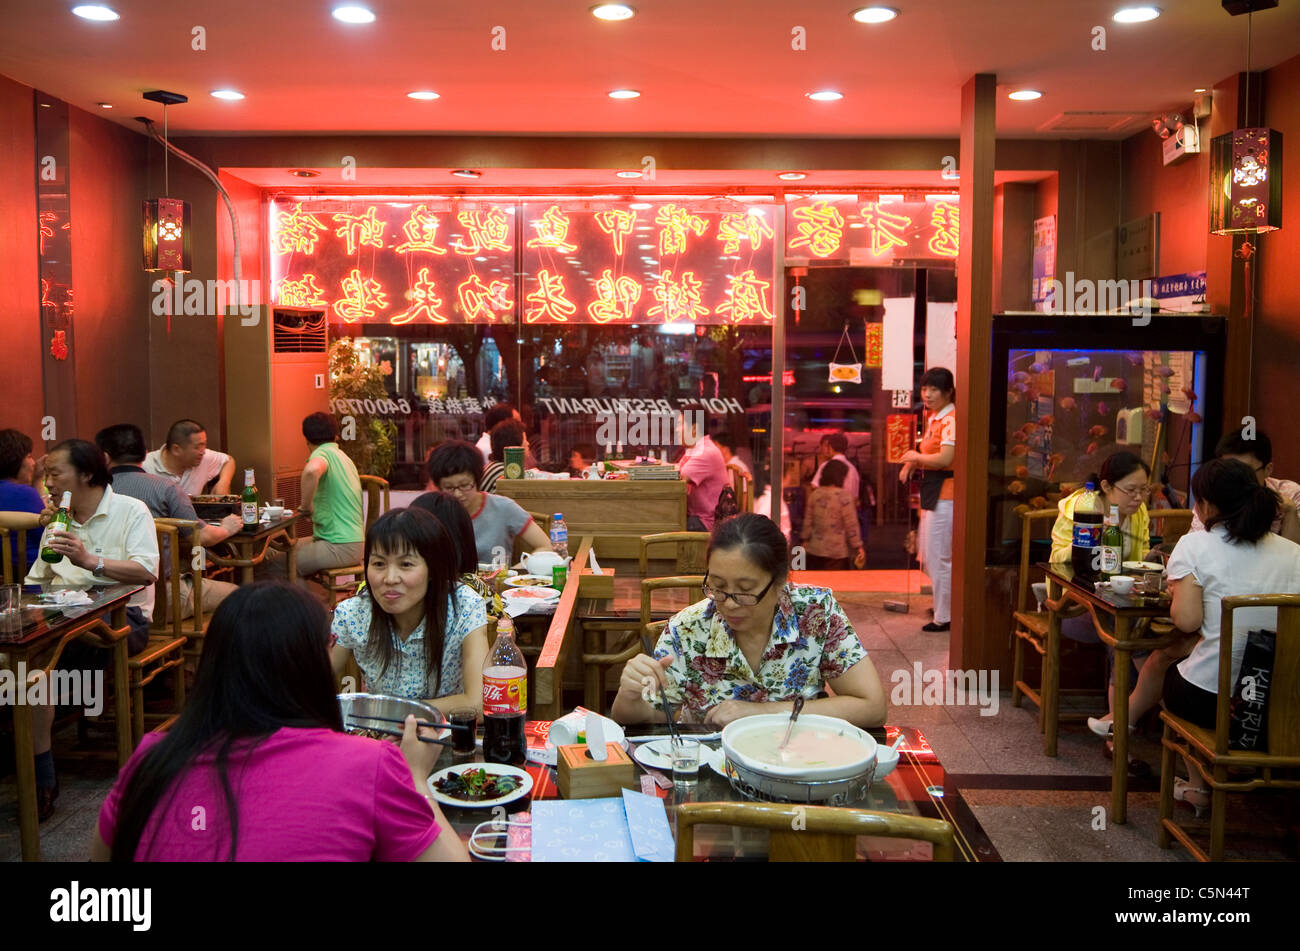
(834, 446)
(111, 539)
(726, 444)
(186, 459)
(1258, 454)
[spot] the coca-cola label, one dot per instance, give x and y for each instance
(505, 695)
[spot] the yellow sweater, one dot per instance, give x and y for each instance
(1136, 529)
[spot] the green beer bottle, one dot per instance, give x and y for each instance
(62, 518)
(248, 502)
(1112, 545)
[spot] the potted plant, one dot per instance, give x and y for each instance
(359, 400)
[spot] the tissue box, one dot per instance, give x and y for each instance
(591, 585)
(580, 777)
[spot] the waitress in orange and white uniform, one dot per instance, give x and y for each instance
(934, 458)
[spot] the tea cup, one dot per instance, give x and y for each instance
(1122, 584)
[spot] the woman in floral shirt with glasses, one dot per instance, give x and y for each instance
(753, 644)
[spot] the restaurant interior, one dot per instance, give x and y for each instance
(773, 218)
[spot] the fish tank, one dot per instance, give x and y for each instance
(1069, 391)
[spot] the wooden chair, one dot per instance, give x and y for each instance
(1275, 765)
(1030, 627)
(169, 602)
(1170, 525)
(742, 483)
(691, 550)
(165, 649)
(342, 582)
(16, 525)
(810, 833)
(595, 666)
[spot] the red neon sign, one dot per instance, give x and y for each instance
(678, 300)
(618, 225)
(746, 298)
(616, 298)
(550, 300)
(297, 232)
(552, 230)
(820, 227)
(884, 227)
(485, 230)
(421, 230)
(424, 302)
(358, 230)
(945, 219)
(736, 228)
(675, 223)
(482, 301)
(362, 299)
(301, 293)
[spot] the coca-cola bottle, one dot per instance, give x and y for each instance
(505, 699)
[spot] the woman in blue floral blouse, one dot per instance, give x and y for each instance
(754, 643)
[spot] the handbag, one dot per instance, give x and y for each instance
(1248, 721)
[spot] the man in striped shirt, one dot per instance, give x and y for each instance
(124, 447)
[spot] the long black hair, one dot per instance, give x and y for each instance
(265, 665)
(456, 520)
(413, 530)
(1246, 508)
(759, 540)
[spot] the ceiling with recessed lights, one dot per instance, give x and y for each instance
(701, 68)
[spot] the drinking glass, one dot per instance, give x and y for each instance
(11, 608)
(1152, 582)
(686, 761)
(463, 740)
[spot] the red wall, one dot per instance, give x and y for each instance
(20, 326)
(1277, 318)
(1180, 193)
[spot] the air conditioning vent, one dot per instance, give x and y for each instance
(298, 331)
(1089, 121)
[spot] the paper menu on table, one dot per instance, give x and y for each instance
(633, 828)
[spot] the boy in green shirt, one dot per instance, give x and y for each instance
(331, 495)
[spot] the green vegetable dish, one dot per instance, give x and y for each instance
(477, 785)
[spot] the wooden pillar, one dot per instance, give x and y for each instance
(970, 641)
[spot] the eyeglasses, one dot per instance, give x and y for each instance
(461, 489)
(1136, 492)
(742, 600)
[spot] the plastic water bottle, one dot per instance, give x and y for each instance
(1089, 511)
(559, 535)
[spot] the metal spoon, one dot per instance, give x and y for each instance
(794, 715)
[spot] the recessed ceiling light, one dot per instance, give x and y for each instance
(613, 11)
(303, 172)
(423, 94)
(351, 13)
(1136, 14)
(466, 173)
(624, 94)
(875, 14)
(1024, 95)
(230, 95)
(106, 105)
(95, 11)
(824, 95)
(792, 177)
(628, 174)
(1201, 89)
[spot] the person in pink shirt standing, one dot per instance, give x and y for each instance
(705, 473)
(257, 767)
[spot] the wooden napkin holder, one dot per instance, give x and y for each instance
(591, 585)
(581, 777)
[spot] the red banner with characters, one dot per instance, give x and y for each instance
(872, 230)
(900, 431)
(875, 351)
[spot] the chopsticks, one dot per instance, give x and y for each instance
(422, 739)
(663, 697)
(433, 726)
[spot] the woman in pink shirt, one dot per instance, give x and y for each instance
(258, 768)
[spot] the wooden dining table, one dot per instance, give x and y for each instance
(34, 640)
(919, 786)
(1131, 615)
(252, 545)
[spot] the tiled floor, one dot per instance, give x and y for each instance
(1033, 807)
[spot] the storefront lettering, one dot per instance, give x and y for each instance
(421, 230)
(735, 228)
(360, 230)
(362, 298)
(674, 224)
(297, 232)
(485, 230)
(884, 227)
(425, 302)
(550, 300)
(552, 231)
(618, 224)
(820, 229)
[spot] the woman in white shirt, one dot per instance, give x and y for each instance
(415, 630)
(1237, 555)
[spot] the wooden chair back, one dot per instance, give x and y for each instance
(1029, 521)
(1172, 525)
(1283, 685)
(190, 557)
(692, 584)
(14, 527)
(810, 833)
(377, 499)
(168, 601)
(742, 483)
(691, 548)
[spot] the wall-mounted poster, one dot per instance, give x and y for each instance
(1044, 264)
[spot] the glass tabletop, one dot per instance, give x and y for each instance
(919, 786)
(42, 614)
(1101, 592)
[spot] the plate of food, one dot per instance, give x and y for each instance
(525, 581)
(480, 785)
(530, 594)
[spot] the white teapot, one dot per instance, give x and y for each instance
(541, 562)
